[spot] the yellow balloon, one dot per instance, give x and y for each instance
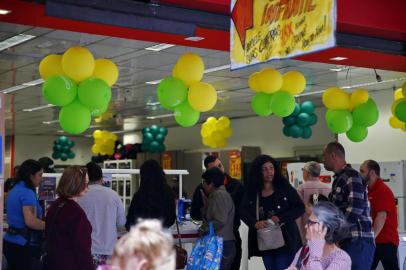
(95, 149)
(269, 80)
(106, 70)
(202, 96)
(253, 82)
(208, 140)
(211, 120)
(223, 122)
(189, 68)
(294, 82)
(359, 97)
(222, 143)
(51, 65)
(78, 63)
(398, 94)
(404, 89)
(395, 122)
(228, 132)
(335, 98)
(97, 134)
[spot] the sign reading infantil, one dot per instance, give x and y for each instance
(262, 30)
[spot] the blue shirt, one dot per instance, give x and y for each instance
(18, 197)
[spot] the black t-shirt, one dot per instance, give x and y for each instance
(273, 205)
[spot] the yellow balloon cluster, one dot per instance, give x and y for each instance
(270, 81)
(78, 63)
(398, 97)
(335, 98)
(216, 132)
(104, 142)
(189, 68)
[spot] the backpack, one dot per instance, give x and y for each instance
(206, 253)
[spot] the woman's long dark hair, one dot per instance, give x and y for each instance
(154, 191)
(256, 180)
(29, 168)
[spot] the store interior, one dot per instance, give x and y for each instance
(370, 54)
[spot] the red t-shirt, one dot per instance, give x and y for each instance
(382, 199)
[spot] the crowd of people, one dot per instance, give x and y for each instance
(350, 225)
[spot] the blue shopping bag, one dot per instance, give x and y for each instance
(206, 253)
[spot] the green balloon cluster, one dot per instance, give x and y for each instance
(63, 149)
(355, 124)
(281, 103)
(298, 124)
(173, 95)
(79, 102)
(153, 138)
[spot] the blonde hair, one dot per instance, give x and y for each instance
(145, 241)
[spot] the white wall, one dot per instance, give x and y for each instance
(383, 142)
(35, 147)
(253, 131)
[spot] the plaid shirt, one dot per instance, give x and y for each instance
(350, 195)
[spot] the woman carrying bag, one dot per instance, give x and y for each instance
(270, 208)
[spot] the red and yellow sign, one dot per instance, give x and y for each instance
(166, 161)
(235, 164)
(262, 30)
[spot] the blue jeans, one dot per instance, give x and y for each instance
(228, 255)
(278, 259)
(361, 251)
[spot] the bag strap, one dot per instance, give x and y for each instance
(177, 228)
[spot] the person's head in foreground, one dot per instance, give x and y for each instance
(330, 220)
(146, 247)
(73, 183)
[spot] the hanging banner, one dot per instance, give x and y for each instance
(235, 164)
(166, 161)
(263, 30)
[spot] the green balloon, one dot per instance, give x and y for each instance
(95, 94)
(260, 104)
(185, 115)
(64, 156)
(56, 155)
(71, 155)
(163, 131)
(74, 118)
(154, 146)
(288, 121)
(366, 114)
(171, 92)
(154, 129)
(145, 147)
(295, 131)
(160, 138)
(63, 140)
(313, 119)
(307, 132)
(303, 119)
(400, 111)
(59, 90)
(65, 148)
(296, 111)
(146, 130)
(357, 133)
(282, 103)
(307, 107)
(161, 148)
(339, 121)
(286, 131)
(148, 137)
(71, 143)
(57, 148)
(96, 112)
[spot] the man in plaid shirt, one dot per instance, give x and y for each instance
(350, 195)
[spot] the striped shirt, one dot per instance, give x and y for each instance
(312, 258)
(350, 195)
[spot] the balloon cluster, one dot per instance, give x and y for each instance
(299, 122)
(128, 151)
(104, 142)
(274, 92)
(398, 119)
(63, 148)
(79, 84)
(184, 93)
(350, 113)
(153, 138)
(216, 132)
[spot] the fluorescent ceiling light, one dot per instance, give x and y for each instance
(120, 131)
(4, 11)
(39, 108)
(194, 38)
(13, 41)
(60, 131)
(22, 86)
(50, 122)
(159, 47)
(153, 103)
(338, 69)
(338, 58)
(160, 116)
(209, 70)
(33, 83)
(154, 82)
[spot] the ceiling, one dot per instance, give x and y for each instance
(131, 94)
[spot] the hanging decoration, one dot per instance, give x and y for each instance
(398, 117)
(184, 93)
(79, 84)
(298, 124)
(104, 142)
(350, 113)
(215, 132)
(153, 138)
(274, 92)
(63, 149)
